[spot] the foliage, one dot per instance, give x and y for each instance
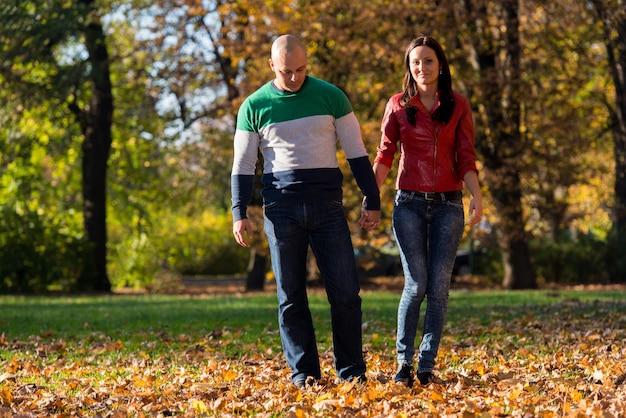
(180, 68)
(566, 172)
(533, 353)
(611, 18)
(199, 245)
(572, 260)
(39, 253)
(177, 244)
(487, 265)
(41, 237)
(55, 52)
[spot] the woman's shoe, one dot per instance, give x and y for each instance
(404, 375)
(425, 377)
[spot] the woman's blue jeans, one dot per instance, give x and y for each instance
(428, 234)
(290, 229)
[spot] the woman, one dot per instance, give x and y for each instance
(432, 126)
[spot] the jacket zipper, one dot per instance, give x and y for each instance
(435, 154)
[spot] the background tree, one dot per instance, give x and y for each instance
(202, 70)
(179, 70)
(537, 118)
(58, 49)
(41, 234)
(491, 34)
(611, 14)
(562, 116)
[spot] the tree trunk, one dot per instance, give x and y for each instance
(617, 262)
(499, 141)
(255, 280)
(614, 25)
(512, 237)
(620, 179)
(96, 122)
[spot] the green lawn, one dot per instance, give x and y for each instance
(252, 318)
(504, 353)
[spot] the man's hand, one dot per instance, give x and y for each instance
(370, 219)
(242, 230)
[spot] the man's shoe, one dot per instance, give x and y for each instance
(425, 378)
(304, 381)
(360, 379)
(404, 375)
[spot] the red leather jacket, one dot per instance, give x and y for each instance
(434, 157)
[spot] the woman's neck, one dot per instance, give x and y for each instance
(427, 92)
(428, 97)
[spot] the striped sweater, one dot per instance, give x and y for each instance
(297, 134)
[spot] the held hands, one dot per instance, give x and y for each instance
(370, 219)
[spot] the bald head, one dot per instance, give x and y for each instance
(288, 63)
(286, 45)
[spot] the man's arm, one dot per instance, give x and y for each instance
(241, 189)
(364, 176)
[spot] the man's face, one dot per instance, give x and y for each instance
(290, 70)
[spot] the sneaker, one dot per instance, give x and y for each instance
(425, 377)
(404, 375)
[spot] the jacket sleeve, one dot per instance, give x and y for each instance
(389, 136)
(465, 151)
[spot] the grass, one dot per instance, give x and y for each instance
(251, 319)
(116, 347)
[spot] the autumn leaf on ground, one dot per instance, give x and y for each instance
(549, 361)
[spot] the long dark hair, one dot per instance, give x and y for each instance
(444, 85)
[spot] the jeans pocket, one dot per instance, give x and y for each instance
(401, 197)
(455, 203)
(269, 206)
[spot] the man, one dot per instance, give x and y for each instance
(295, 121)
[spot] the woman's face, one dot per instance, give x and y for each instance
(424, 65)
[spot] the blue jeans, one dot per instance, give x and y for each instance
(428, 235)
(290, 229)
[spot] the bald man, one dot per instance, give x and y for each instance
(297, 121)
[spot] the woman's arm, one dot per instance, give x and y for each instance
(476, 204)
(380, 172)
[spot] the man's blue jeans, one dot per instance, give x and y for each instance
(290, 229)
(428, 235)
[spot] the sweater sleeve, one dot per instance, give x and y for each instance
(364, 176)
(241, 188)
(246, 145)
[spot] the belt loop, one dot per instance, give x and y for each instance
(443, 196)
